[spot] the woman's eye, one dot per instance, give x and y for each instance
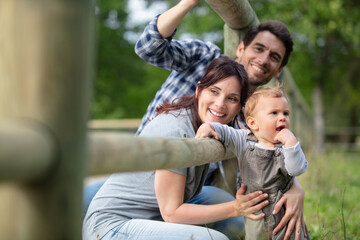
(233, 99)
(213, 91)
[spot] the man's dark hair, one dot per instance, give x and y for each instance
(277, 28)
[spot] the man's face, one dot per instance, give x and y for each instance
(262, 58)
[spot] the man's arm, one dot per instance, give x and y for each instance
(157, 47)
(187, 59)
(170, 20)
(293, 200)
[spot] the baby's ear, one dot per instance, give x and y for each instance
(251, 123)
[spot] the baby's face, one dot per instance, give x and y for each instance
(272, 114)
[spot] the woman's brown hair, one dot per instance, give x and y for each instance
(219, 69)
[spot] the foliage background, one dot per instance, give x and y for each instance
(326, 56)
(326, 59)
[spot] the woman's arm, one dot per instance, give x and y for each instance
(170, 19)
(170, 187)
(293, 200)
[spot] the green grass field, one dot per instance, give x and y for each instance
(332, 196)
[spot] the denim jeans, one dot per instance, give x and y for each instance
(233, 228)
(143, 229)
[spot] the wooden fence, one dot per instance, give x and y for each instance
(46, 62)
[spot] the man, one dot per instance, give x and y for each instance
(264, 52)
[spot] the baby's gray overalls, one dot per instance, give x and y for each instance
(264, 169)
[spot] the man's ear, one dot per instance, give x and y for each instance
(277, 75)
(240, 49)
(251, 123)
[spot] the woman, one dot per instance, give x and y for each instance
(168, 204)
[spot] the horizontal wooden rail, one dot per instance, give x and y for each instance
(236, 14)
(114, 124)
(27, 152)
(118, 152)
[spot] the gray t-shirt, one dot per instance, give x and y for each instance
(131, 195)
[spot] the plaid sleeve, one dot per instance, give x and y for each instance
(187, 59)
(168, 53)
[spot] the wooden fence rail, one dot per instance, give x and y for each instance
(118, 152)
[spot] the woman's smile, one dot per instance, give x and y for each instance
(216, 114)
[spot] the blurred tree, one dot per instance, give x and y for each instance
(121, 90)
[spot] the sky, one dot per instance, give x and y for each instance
(139, 14)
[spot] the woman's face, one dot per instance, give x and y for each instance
(219, 102)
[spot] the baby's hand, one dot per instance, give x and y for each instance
(286, 137)
(206, 130)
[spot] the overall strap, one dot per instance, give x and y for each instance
(252, 140)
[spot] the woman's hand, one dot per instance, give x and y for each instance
(247, 205)
(206, 130)
(294, 204)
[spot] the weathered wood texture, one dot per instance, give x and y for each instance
(45, 69)
(27, 151)
(239, 17)
(117, 152)
(114, 124)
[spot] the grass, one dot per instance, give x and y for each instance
(332, 196)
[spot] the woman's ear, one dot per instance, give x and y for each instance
(251, 123)
(197, 90)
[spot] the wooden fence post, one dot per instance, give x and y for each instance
(46, 49)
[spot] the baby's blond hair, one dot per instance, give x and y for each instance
(253, 100)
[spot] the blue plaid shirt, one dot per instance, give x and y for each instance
(186, 59)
